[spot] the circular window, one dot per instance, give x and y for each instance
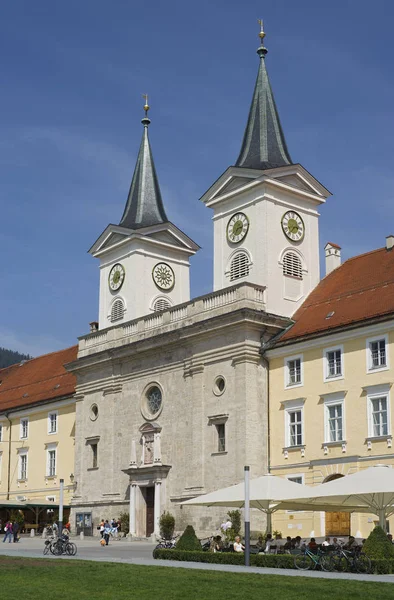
(219, 386)
(94, 412)
(152, 402)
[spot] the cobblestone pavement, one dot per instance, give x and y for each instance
(140, 553)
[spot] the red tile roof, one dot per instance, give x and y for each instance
(37, 380)
(333, 245)
(359, 290)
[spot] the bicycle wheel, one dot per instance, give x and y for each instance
(57, 548)
(46, 549)
(326, 562)
(339, 563)
(362, 564)
(303, 562)
(71, 549)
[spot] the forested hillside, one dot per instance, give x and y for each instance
(10, 357)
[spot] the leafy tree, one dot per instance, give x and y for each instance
(188, 540)
(167, 525)
(124, 519)
(378, 545)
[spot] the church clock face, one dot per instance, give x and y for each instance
(163, 276)
(116, 277)
(237, 228)
(293, 226)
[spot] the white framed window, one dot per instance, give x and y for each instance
(51, 461)
(22, 466)
(24, 428)
(379, 415)
(334, 418)
(294, 423)
(221, 436)
(333, 363)
(94, 448)
(296, 478)
(294, 371)
(377, 354)
(52, 422)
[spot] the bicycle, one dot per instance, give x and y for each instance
(59, 546)
(350, 560)
(310, 560)
(167, 544)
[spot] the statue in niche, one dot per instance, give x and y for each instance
(148, 449)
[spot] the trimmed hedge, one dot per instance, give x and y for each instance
(280, 561)
(189, 542)
(271, 561)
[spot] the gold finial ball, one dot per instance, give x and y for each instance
(146, 107)
(262, 35)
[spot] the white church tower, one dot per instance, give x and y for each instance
(144, 261)
(265, 211)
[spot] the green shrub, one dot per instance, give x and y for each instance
(378, 545)
(124, 519)
(188, 540)
(167, 525)
(270, 561)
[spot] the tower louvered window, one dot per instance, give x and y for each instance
(117, 310)
(240, 266)
(161, 304)
(292, 265)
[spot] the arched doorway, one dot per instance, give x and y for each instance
(337, 523)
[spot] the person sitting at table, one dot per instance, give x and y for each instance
(312, 545)
(327, 542)
(269, 542)
(350, 544)
(288, 544)
(296, 542)
(260, 544)
(238, 547)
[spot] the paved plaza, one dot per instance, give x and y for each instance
(140, 553)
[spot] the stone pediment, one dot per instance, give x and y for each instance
(150, 428)
(113, 239)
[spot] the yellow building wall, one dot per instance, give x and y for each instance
(38, 485)
(314, 462)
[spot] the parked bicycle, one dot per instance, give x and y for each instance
(311, 560)
(350, 560)
(167, 544)
(59, 546)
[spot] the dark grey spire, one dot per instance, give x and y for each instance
(144, 206)
(264, 145)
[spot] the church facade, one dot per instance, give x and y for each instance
(172, 392)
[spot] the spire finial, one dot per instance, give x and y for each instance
(146, 121)
(261, 34)
(261, 50)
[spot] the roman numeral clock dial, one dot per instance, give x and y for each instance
(116, 277)
(237, 228)
(293, 226)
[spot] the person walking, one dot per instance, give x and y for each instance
(15, 529)
(8, 532)
(107, 531)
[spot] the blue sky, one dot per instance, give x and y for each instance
(70, 111)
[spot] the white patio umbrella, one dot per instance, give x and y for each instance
(266, 493)
(369, 490)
